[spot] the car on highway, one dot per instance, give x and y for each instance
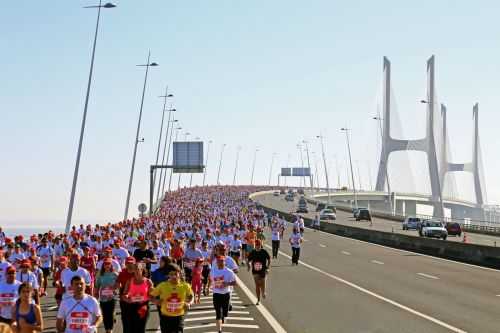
(412, 223)
(276, 193)
(320, 206)
(434, 229)
(300, 191)
(355, 211)
(327, 214)
(289, 197)
(453, 229)
(363, 214)
(302, 208)
(282, 191)
(332, 207)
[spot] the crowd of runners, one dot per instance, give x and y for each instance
(195, 245)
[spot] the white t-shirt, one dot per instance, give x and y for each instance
(79, 314)
(275, 234)
(158, 252)
(295, 240)
(230, 263)
(45, 254)
(3, 267)
(8, 296)
(236, 245)
(66, 276)
(121, 253)
(29, 277)
(218, 277)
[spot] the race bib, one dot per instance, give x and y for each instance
(257, 266)
(45, 258)
(219, 282)
(174, 304)
(137, 298)
(6, 299)
(79, 320)
(107, 292)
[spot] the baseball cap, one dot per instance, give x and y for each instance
(221, 258)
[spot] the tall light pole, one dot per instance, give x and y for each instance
(320, 137)
(346, 131)
(337, 170)
(206, 162)
(179, 177)
(165, 97)
(84, 119)
(147, 65)
(359, 176)
(302, 179)
(287, 165)
(386, 172)
(238, 149)
(271, 168)
(308, 164)
(177, 129)
(316, 169)
(220, 163)
(253, 165)
(166, 150)
(191, 175)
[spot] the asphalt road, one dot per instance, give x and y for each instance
(345, 285)
(381, 224)
(245, 317)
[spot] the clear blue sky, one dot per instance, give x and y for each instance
(249, 73)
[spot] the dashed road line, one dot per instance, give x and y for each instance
(346, 253)
(380, 297)
(428, 276)
(377, 262)
(322, 245)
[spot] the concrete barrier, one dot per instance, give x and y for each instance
(482, 255)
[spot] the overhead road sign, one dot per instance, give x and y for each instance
(301, 172)
(286, 172)
(188, 157)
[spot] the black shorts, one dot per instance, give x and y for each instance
(221, 305)
(171, 324)
(235, 254)
(205, 273)
(46, 271)
(244, 247)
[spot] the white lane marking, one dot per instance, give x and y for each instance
(241, 326)
(210, 302)
(52, 308)
(305, 240)
(377, 262)
(498, 295)
(410, 252)
(322, 245)
(428, 276)
(212, 317)
(211, 297)
(194, 313)
(198, 326)
(211, 307)
(262, 309)
(346, 253)
(380, 297)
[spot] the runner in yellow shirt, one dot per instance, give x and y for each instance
(175, 297)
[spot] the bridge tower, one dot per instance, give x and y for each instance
(473, 166)
(426, 144)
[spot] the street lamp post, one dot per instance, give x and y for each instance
(206, 162)
(271, 168)
(220, 163)
(165, 97)
(179, 177)
(308, 164)
(302, 179)
(238, 149)
(316, 169)
(147, 65)
(346, 130)
(84, 119)
(177, 129)
(253, 165)
(320, 137)
(166, 150)
(191, 175)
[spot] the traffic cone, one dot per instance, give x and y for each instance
(464, 240)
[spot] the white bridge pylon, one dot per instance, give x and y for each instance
(435, 147)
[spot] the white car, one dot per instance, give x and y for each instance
(276, 193)
(433, 229)
(412, 223)
(327, 214)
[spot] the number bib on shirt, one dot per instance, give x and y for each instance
(137, 298)
(219, 282)
(79, 320)
(174, 304)
(45, 259)
(6, 299)
(257, 266)
(189, 264)
(107, 292)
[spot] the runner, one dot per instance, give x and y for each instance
(136, 294)
(295, 241)
(275, 239)
(9, 292)
(223, 279)
(79, 313)
(175, 297)
(46, 254)
(196, 277)
(105, 290)
(27, 317)
(123, 278)
(190, 256)
(26, 275)
(260, 261)
(316, 223)
(73, 270)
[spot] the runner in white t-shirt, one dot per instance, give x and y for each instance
(73, 270)
(223, 279)
(9, 292)
(80, 312)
